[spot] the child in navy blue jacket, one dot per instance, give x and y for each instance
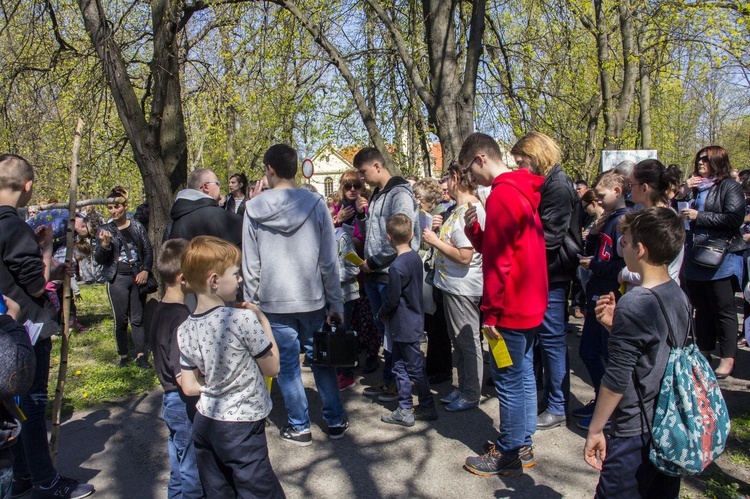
(404, 318)
(605, 262)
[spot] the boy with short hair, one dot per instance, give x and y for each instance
(178, 410)
(605, 262)
(638, 349)
(225, 354)
(24, 274)
(402, 311)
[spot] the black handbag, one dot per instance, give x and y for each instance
(333, 346)
(708, 251)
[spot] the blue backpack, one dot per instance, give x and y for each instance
(691, 421)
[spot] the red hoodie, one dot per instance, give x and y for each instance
(514, 259)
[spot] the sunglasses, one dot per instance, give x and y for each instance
(356, 187)
(703, 159)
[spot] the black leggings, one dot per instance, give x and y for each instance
(126, 302)
(715, 316)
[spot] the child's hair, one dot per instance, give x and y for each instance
(399, 228)
(283, 159)
(368, 155)
(613, 179)
(206, 255)
(659, 229)
(15, 171)
(308, 187)
(539, 147)
(169, 262)
(428, 190)
(465, 179)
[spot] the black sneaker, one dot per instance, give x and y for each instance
(62, 487)
(21, 487)
(494, 463)
(422, 413)
(124, 361)
(336, 432)
(526, 453)
(302, 438)
(143, 362)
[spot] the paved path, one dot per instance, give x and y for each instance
(121, 449)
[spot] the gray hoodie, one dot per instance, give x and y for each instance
(289, 253)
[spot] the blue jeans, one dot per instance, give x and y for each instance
(6, 482)
(32, 457)
(291, 331)
(516, 389)
(376, 293)
(184, 480)
(554, 347)
(593, 348)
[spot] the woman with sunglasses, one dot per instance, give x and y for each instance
(458, 274)
(717, 212)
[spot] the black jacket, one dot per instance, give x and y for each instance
(723, 213)
(231, 202)
(195, 214)
(107, 257)
(562, 226)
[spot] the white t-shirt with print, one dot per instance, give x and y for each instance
(223, 344)
(452, 277)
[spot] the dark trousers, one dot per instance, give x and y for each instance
(31, 454)
(126, 302)
(627, 472)
(439, 353)
(233, 459)
(715, 316)
(408, 366)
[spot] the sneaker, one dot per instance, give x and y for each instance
(400, 416)
(494, 463)
(124, 361)
(422, 413)
(345, 382)
(586, 422)
(337, 431)
(74, 324)
(526, 453)
(547, 420)
(461, 404)
(586, 411)
(62, 487)
(390, 393)
(450, 398)
(302, 438)
(374, 390)
(143, 362)
(21, 487)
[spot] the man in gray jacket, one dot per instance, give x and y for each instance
(392, 195)
(290, 269)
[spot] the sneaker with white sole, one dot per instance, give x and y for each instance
(336, 432)
(402, 417)
(526, 453)
(65, 488)
(302, 438)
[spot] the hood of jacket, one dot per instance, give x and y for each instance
(283, 210)
(525, 182)
(189, 200)
(393, 182)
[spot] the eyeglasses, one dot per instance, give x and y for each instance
(631, 184)
(703, 159)
(356, 187)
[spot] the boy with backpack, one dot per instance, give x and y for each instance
(177, 410)
(638, 355)
(225, 354)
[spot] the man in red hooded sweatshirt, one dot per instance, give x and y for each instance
(514, 297)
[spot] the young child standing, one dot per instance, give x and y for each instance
(651, 240)
(177, 410)
(605, 265)
(225, 353)
(402, 312)
(349, 289)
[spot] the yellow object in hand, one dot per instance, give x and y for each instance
(353, 258)
(499, 351)
(269, 383)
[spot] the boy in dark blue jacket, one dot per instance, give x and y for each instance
(605, 263)
(404, 318)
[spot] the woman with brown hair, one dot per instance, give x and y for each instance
(716, 213)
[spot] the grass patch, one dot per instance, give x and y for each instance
(93, 374)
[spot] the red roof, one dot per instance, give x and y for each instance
(436, 156)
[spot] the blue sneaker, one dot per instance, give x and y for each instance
(586, 422)
(450, 398)
(586, 411)
(461, 404)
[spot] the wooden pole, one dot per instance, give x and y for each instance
(78, 204)
(67, 296)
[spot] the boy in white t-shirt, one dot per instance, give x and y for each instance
(225, 354)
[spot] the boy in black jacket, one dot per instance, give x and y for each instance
(605, 265)
(403, 315)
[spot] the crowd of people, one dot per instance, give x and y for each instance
(250, 277)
